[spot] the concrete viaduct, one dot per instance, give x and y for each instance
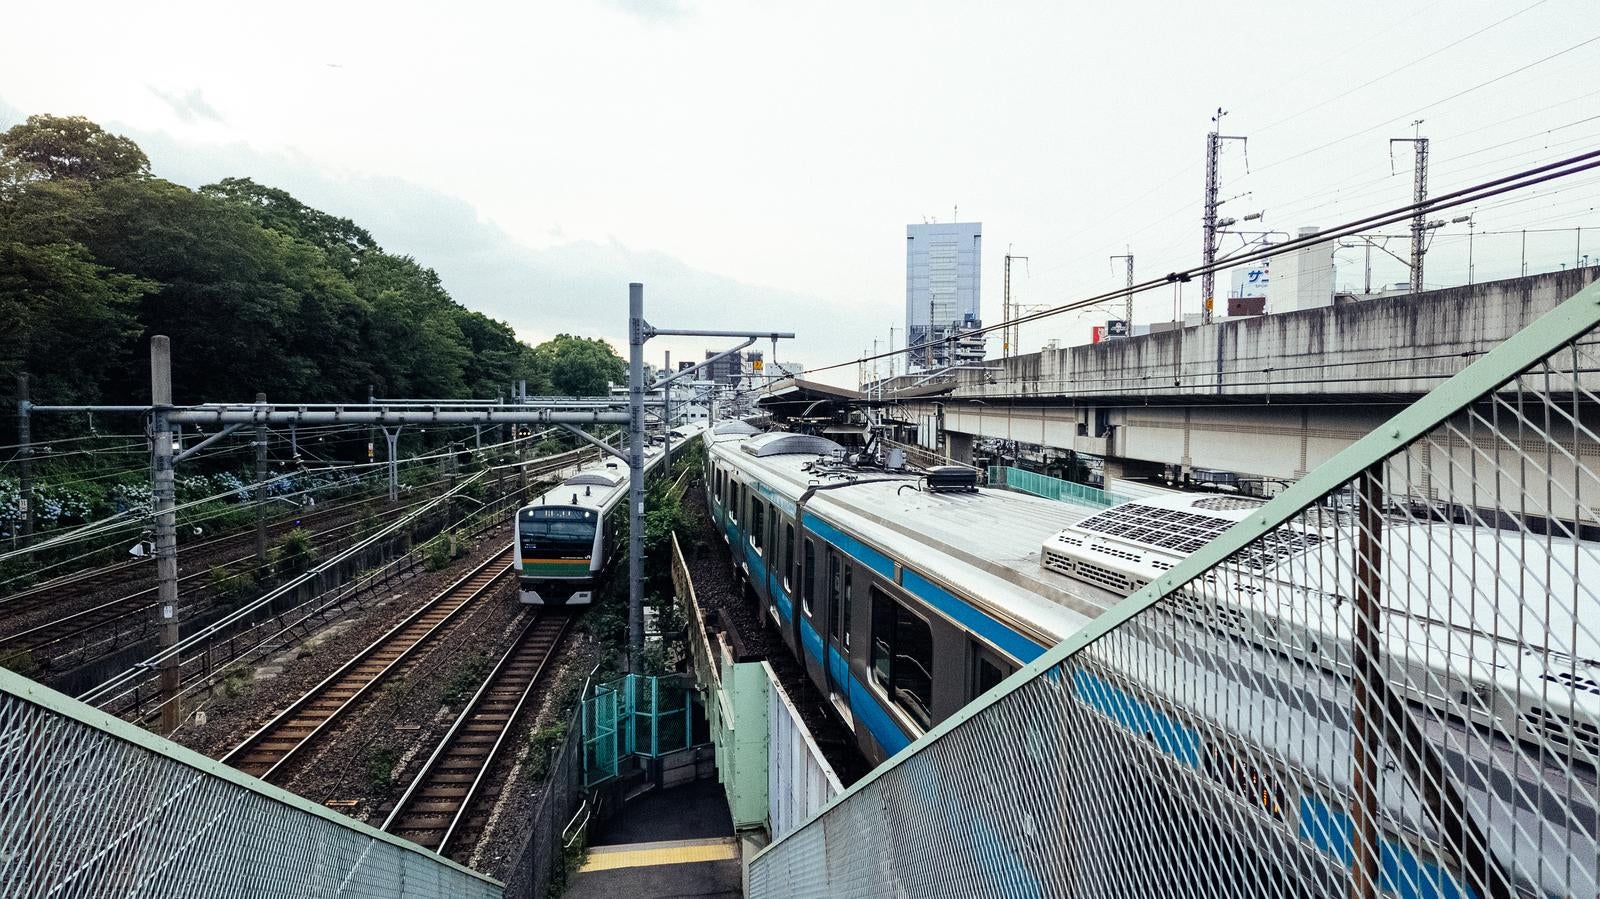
(1266, 398)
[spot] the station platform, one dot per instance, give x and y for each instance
(666, 843)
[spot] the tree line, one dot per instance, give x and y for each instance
(258, 291)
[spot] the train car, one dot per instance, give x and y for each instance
(908, 594)
(566, 537)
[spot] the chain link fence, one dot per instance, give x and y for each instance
(1386, 681)
(93, 806)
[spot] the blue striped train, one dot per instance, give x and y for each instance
(906, 596)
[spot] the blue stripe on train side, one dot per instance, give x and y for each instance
(962, 612)
(1399, 870)
(1329, 829)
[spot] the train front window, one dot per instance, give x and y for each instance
(557, 529)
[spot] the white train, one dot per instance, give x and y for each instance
(567, 537)
(946, 588)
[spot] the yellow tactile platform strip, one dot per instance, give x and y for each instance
(672, 852)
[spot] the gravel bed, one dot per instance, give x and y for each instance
(718, 586)
(284, 677)
(513, 780)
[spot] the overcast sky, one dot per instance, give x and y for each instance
(755, 163)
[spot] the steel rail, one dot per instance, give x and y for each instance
(433, 808)
(79, 578)
(72, 624)
(266, 751)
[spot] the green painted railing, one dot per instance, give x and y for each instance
(634, 715)
(1051, 488)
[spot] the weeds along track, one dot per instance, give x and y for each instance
(309, 718)
(443, 805)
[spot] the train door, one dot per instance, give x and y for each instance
(836, 665)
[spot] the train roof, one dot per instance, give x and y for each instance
(984, 545)
(598, 484)
(1422, 562)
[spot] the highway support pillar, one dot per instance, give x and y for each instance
(166, 542)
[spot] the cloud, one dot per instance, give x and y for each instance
(655, 12)
(573, 287)
(190, 108)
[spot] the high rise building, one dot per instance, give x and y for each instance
(942, 273)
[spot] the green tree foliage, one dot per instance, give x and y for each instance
(72, 147)
(258, 291)
(577, 366)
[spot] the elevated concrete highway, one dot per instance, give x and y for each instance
(1267, 398)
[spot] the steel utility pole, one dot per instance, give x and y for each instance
(261, 484)
(1419, 220)
(24, 459)
(166, 538)
(636, 337)
(1208, 219)
(666, 398)
(1010, 334)
(1127, 314)
(640, 331)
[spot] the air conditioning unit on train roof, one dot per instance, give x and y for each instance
(952, 479)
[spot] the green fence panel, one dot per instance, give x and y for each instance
(1052, 488)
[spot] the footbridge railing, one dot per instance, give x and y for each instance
(91, 805)
(1385, 681)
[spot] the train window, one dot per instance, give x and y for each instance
(902, 657)
(988, 670)
(810, 576)
(835, 590)
(757, 514)
(787, 553)
(844, 618)
(733, 501)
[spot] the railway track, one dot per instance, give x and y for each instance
(439, 810)
(94, 579)
(264, 753)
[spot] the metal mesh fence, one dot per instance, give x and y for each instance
(541, 859)
(92, 806)
(1386, 682)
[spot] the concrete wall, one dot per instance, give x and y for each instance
(1392, 345)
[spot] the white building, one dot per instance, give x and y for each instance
(942, 275)
(1302, 279)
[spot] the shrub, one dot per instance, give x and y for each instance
(542, 747)
(293, 553)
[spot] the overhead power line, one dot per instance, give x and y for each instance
(1476, 193)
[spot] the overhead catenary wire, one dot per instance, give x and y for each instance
(1521, 180)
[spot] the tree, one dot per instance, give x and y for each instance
(343, 240)
(73, 147)
(577, 366)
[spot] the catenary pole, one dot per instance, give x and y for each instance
(25, 458)
(261, 484)
(166, 543)
(636, 339)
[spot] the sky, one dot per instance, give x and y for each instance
(754, 164)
